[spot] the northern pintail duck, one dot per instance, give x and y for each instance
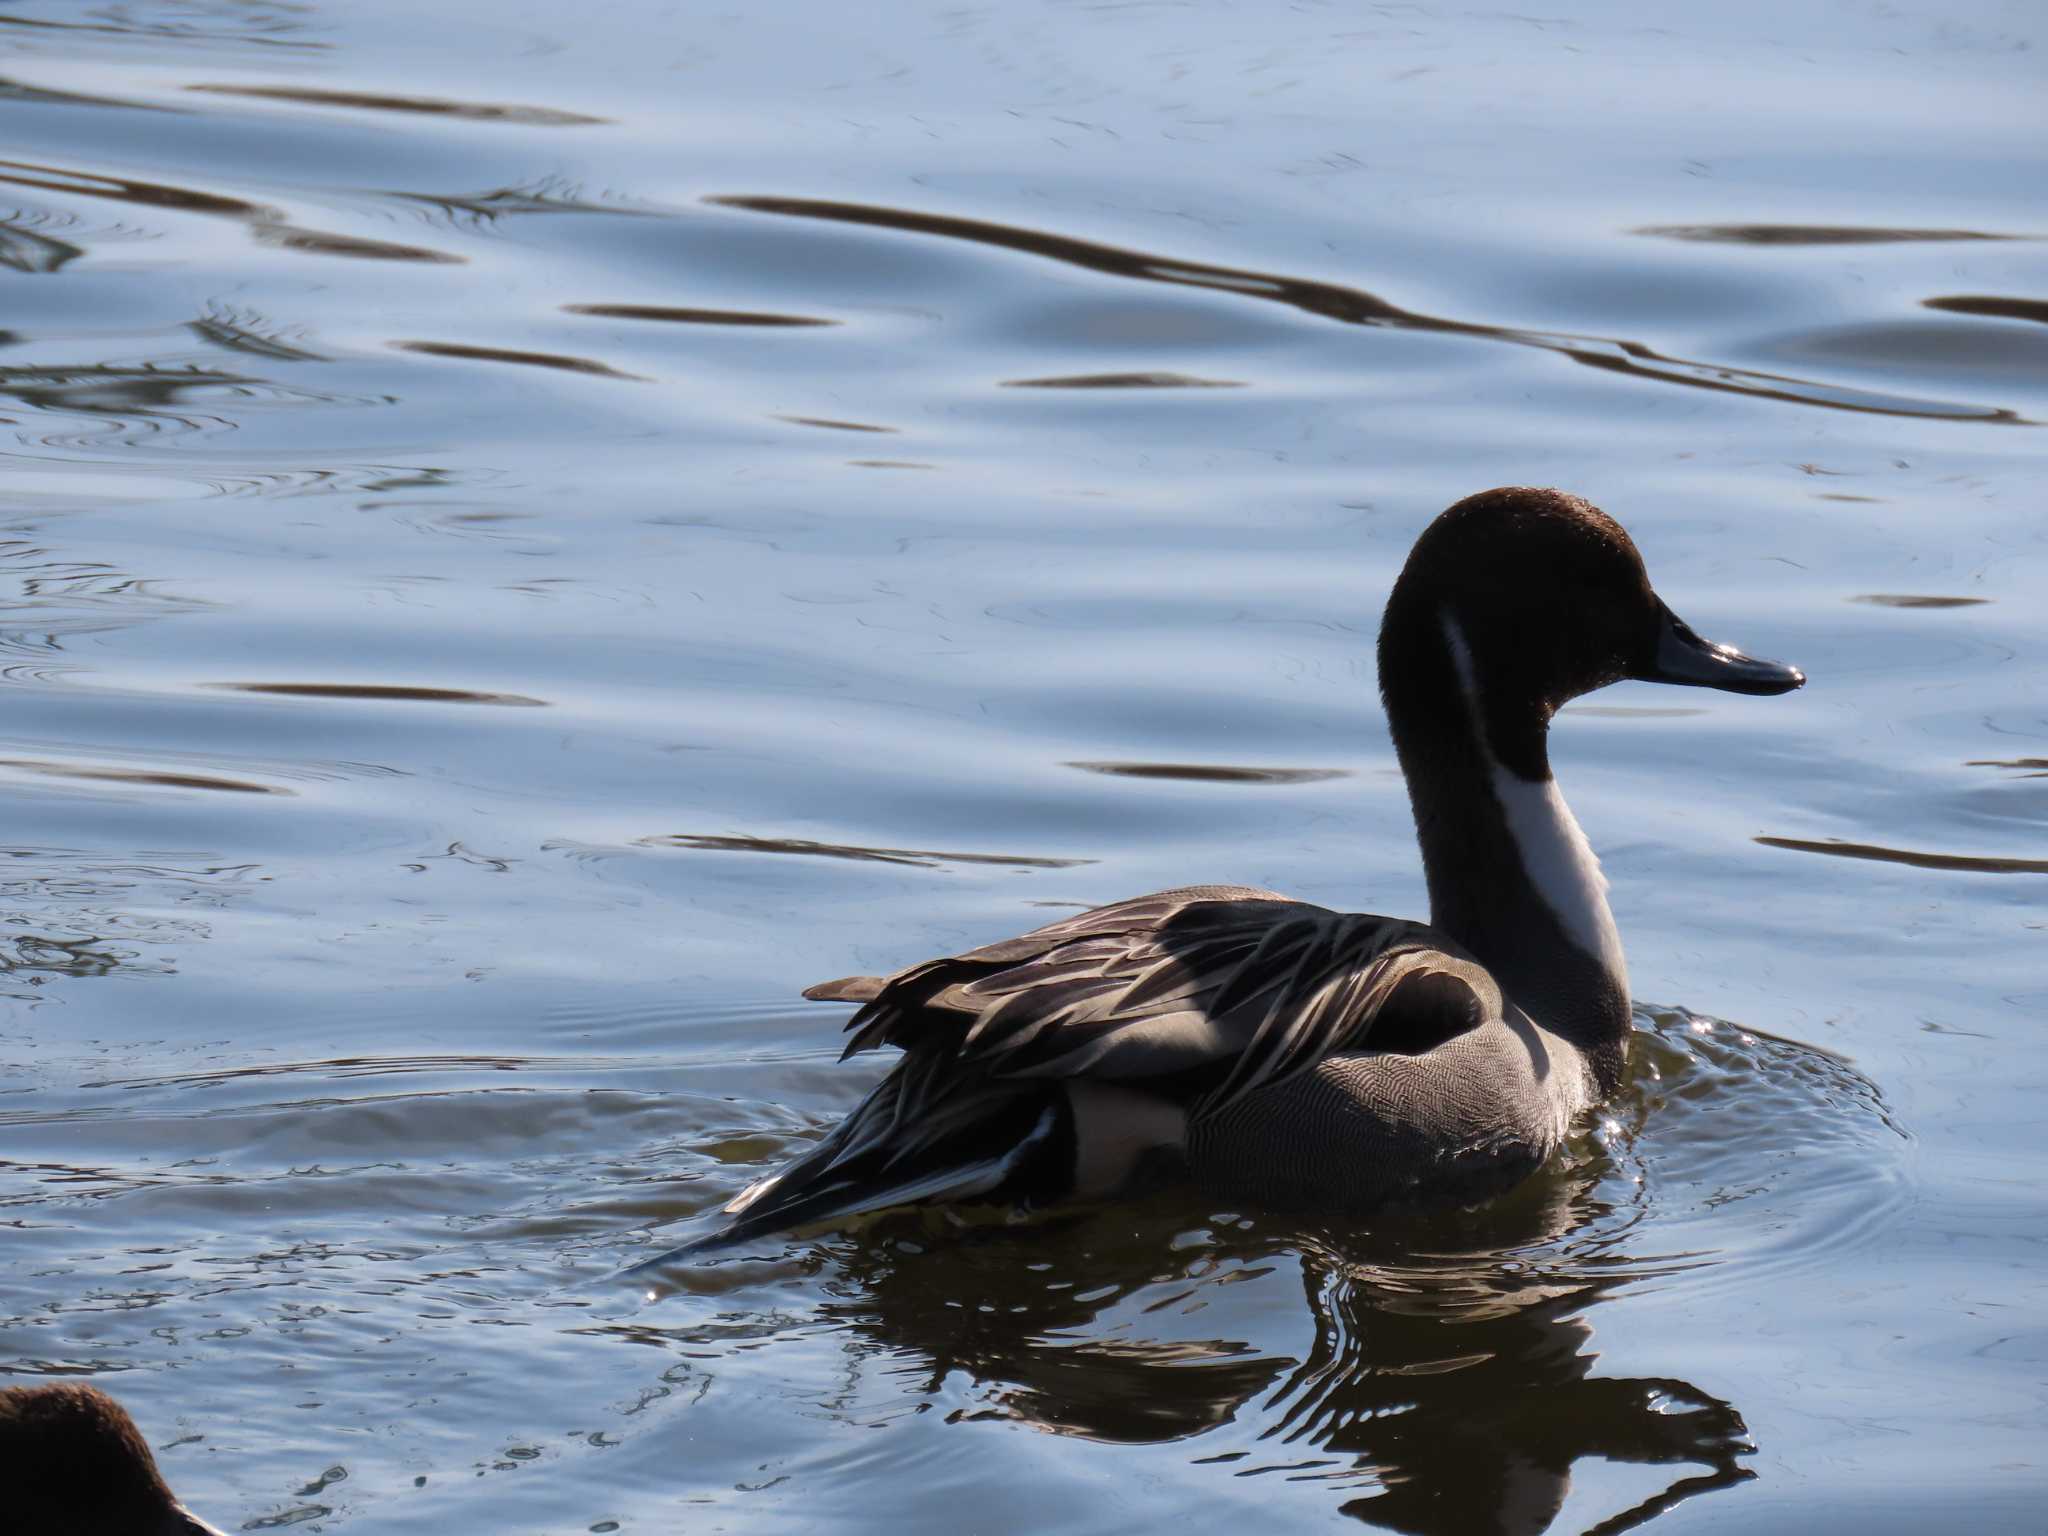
(1279, 1051)
(75, 1465)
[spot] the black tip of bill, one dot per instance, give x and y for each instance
(1682, 657)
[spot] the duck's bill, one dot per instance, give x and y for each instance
(1683, 657)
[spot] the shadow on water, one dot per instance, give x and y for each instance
(1354, 306)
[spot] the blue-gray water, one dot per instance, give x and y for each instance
(532, 533)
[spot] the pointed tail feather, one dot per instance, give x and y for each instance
(844, 1200)
(1008, 1141)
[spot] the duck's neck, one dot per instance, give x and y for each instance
(1511, 876)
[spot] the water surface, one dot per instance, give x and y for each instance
(527, 539)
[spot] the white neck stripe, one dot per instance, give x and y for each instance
(1554, 851)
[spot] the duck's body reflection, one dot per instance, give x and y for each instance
(1448, 1384)
(1441, 1376)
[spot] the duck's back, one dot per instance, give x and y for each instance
(1259, 1042)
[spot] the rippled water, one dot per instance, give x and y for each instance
(529, 537)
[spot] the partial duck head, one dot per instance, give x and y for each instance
(1516, 601)
(75, 1463)
(1513, 603)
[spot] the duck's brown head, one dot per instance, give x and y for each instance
(1517, 600)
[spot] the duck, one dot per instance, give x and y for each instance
(76, 1464)
(1278, 1052)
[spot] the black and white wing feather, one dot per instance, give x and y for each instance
(1245, 990)
(1201, 995)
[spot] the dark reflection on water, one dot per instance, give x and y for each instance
(1125, 381)
(589, 365)
(1997, 308)
(70, 912)
(145, 390)
(1446, 1382)
(1811, 234)
(1918, 859)
(254, 24)
(125, 404)
(834, 426)
(267, 225)
(432, 106)
(921, 857)
(139, 776)
(678, 316)
(1353, 306)
(386, 692)
(1214, 773)
(1447, 1385)
(19, 91)
(27, 248)
(53, 600)
(146, 194)
(344, 1067)
(546, 195)
(1916, 600)
(244, 331)
(320, 242)
(2038, 763)
(34, 956)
